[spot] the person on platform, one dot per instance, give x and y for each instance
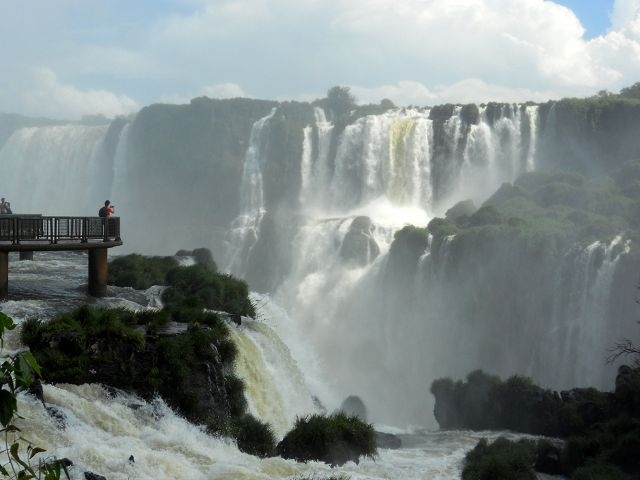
(107, 210)
(5, 207)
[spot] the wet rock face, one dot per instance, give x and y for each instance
(354, 406)
(461, 209)
(358, 246)
(627, 392)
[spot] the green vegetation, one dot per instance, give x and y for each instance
(253, 436)
(192, 370)
(121, 348)
(140, 272)
(602, 430)
(17, 373)
(194, 287)
(565, 206)
(335, 439)
(485, 402)
(500, 460)
(197, 287)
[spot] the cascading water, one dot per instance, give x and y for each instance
(244, 229)
(315, 170)
(581, 311)
(384, 170)
(120, 170)
(61, 165)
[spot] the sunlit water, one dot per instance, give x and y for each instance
(103, 429)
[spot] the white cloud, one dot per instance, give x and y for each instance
(223, 90)
(472, 90)
(411, 51)
(214, 19)
(624, 13)
(402, 93)
(48, 97)
(617, 53)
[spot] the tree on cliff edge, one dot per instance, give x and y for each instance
(631, 92)
(340, 101)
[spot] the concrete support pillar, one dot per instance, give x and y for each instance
(24, 255)
(98, 272)
(4, 275)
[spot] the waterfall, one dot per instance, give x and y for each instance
(404, 166)
(316, 168)
(581, 334)
(531, 112)
(60, 166)
(275, 387)
(121, 170)
(244, 229)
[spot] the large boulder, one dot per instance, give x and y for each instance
(358, 246)
(354, 407)
(464, 208)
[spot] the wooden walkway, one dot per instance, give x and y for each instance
(29, 233)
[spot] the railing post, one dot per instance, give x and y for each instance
(85, 228)
(14, 236)
(4, 275)
(106, 229)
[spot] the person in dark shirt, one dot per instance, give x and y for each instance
(107, 210)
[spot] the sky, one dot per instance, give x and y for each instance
(70, 58)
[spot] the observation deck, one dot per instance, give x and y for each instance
(28, 233)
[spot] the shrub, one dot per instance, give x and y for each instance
(254, 437)
(500, 460)
(335, 439)
(140, 272)
(197, 287)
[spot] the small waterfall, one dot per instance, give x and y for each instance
(305, 164)
(531, 111)
(580, 330)
(244, 229)
(400, 174)
(379, 156)
(274, 385)
(316, 166)
(58, 164)
(121, 169)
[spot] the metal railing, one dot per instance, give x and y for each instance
(19, 229)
